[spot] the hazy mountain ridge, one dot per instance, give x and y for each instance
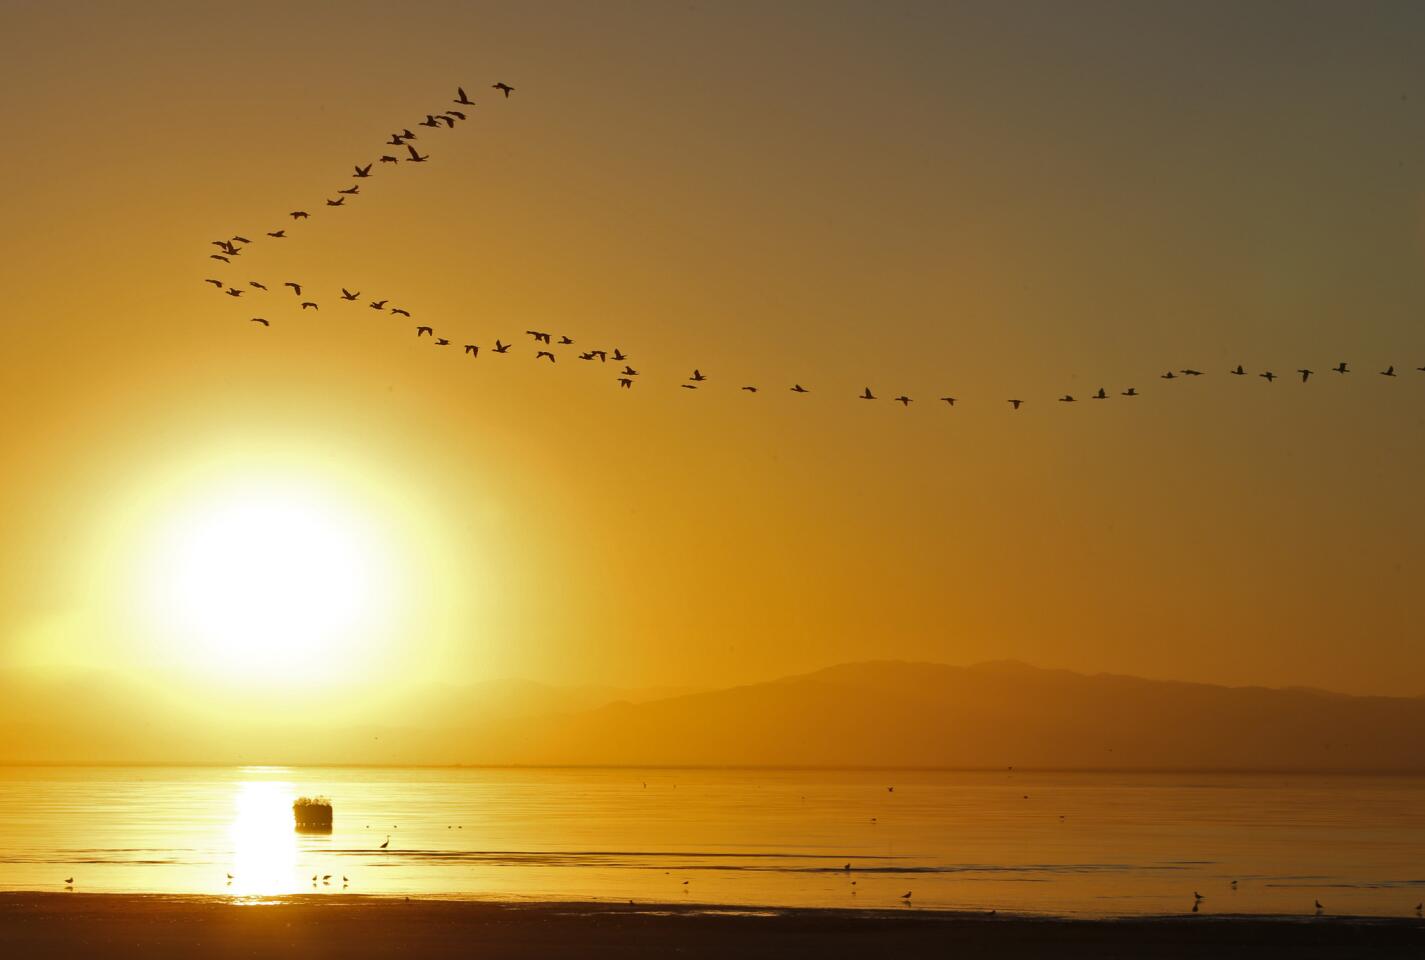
(873, 713)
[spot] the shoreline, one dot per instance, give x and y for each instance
(352, 925)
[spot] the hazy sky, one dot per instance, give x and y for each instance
(985, 200)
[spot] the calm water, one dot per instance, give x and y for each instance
(1086, 844)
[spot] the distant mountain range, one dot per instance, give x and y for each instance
(879, 713)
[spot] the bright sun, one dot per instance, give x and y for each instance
(275, 582)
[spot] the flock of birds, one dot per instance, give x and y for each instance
(547, 347)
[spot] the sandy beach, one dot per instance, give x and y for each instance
(104, 925)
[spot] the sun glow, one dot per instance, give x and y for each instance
(271, 581)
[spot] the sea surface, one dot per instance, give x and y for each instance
(1082, 844)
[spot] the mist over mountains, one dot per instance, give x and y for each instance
(877, 713)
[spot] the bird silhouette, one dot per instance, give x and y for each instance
(241, 240)
(430, 121)
(544, 353)
(504, 88)
(387, 158)
(586, 356)
(69, 880)
(1305, 374)
(277, 234)
(949, 400)
(906, 895)
(299, 215)
(565, 341)
(1319, 907)
(698, 376)
(1067, 398)
(216, 283)
(447, 119)
(348, 295)
(218, 256)
(472, 349)
(1191, 373)
(1169, 376)
(1234, 884)
(363, 171)
(261, 321)
(337, 202)
(386, 844)
(308, 303)
(424, 331)
(234, 292)
(629, 371)
(689, 386)
(1130, 392)
(377, 304)
(501, 347)
(603, 355)
(442, 342)
(1341, 367)
(416, 157)
(539, 336)
(1239, 371)
(798, 388)
(867, 394)
(1268, 376)
(398, 312)
(619, 356)
(462, 98)
(1388, 372)
(1101, 395)
(296, 287)
(750, 389)
(454, 113)
(352, 190)
(1015, 403)
(230, 878)
(1197, 896)
(397, 140)
(625, 382)
(903, 400)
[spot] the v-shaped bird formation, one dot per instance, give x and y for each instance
(543, 344)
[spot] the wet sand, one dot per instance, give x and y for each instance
(110, 925)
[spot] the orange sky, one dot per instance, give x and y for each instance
(986, 201)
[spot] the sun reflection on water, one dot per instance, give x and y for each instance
(264, 844)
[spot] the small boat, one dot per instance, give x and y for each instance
(312, 814)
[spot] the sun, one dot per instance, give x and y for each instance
(270, 580)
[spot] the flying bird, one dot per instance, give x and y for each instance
(1305, 374)
(625, 382)
(798, 388)
(398, 312)
(1130, 392)
(216, 283)
(1101, 395)
(472, 349)
(255, 284)
(386, 844)
(308, 303)
(906, 895)
(750, 389)
(1239, 371)
(337, 202)
(1067, 398)
(544, 353)
(501, 347)
(903, 400)
(424, 331)
(949, 400)
(387, 158)
(565, 341)
(1169, 376)
(277, 234)
(296, 287)
(504, 88)
(442, 342)
(430, 121)
(619, 355)
(689, 386)
(1268, 376)
(462, 98)
(1341, 367)
(416, 157)
(1191, 373)
(299, 214)
(348, 295)
(867, 394)
(453, 113)
(629, 371)
(352, 190)
(234, 292)
(261, 321)
(377, 304)
(1318, 905)
(363, 171)
(449, 120)
(219, 256)
(1015, 403)
(698, 376)
(241, 240)
(1388, 372)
